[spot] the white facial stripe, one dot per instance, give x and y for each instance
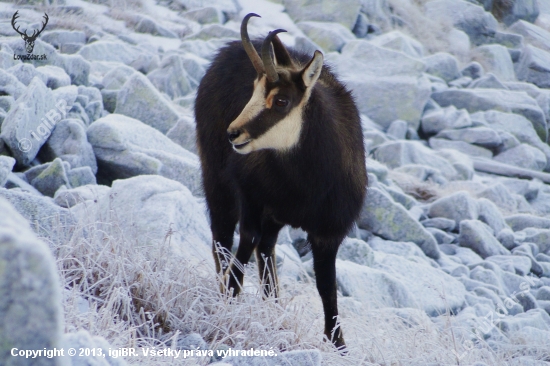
(254, 107)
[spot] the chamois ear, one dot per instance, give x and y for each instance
(282, 56)
(311, 72)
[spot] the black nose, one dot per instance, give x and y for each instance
(233, 135)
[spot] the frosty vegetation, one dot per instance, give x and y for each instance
(104, 238)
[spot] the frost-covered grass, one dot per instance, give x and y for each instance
(143, 297)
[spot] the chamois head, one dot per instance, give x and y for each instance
(272, 118)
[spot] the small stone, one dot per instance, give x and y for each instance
(495, 59)
(139, 99)
(458, 207)
(478, 236)
(442, 65)
(519, 222)
(440, 223)
(523, 156)
(398, 129)
(51, 178)
(473, 70)
(6, 166)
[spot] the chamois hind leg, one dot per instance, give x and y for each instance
(250, 225)
(324, 264)
(265, 257)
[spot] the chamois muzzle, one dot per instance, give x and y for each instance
(233, 135)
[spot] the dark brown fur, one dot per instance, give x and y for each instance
(318, 185)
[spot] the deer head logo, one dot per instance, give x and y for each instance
(29, 40)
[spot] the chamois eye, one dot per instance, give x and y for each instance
(280, 102)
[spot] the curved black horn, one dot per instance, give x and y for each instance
(267, 58)
(248, 47)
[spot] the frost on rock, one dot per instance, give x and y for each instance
(31, 316)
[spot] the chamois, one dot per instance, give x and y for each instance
(280, 143)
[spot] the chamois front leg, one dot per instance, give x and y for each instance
(324, 264)
(250, 232)
(265, 257)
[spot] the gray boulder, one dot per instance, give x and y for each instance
(376, 96)
(526, 188)
(389, 220)
(437, 120)
(357, 251)
(69, 142)
(482, 136)
(473, 70)
(475, 100)
(385, 76)
(399, 41)
(30, 292)
(463, 165)
(147, 208)
(460, 146)
(139, 99)
(488, 81)
(398, 129)
(520, 127)
(378, 12)
(171, 78)
(510, 12)
(183, 134)
(395, 281)
(146, 24)
(51, 179)
(125, 147)
(57, 38)
(519, 222)
(376, 60)
(479, 237)
(330, 36)
(6, 166)
(25, 127)
(399, 153)
(443, 65)
(9, 85)
(205, 15)
(458, 207)
(133, 56)
(440, 223)
(489, 213)
(24, 72)
(54, 77)
(512, 263)
(73, 196)
(81, 176)
(495, 59)
(534, 66)
(343, 12)
(534, 35)
(115, 78)
(499, 195)
(536, 318)
(215, 31)
(523, 156)
(76, 67)
(472, 19)
(441, 236)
